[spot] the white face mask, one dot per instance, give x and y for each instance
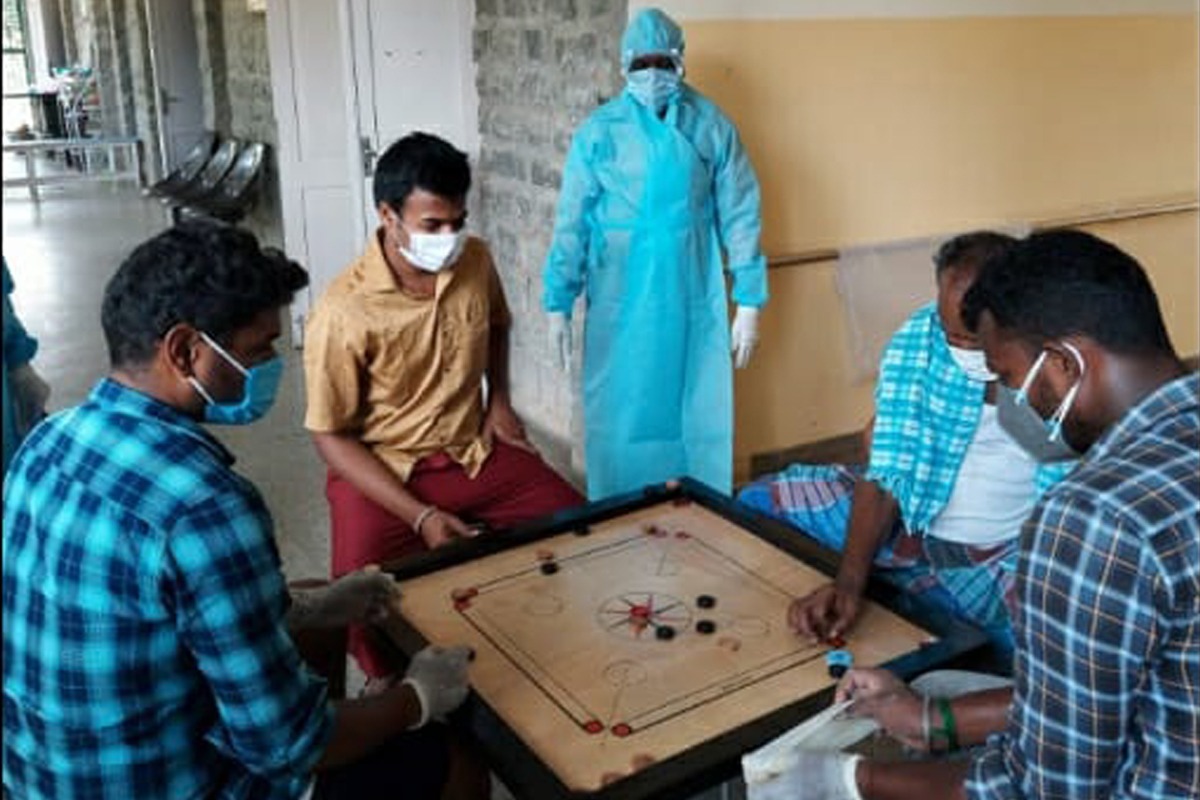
(433, 252)
(653, 87)
(972, 362)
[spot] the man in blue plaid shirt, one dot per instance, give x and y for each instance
(146, 619)
(1106, 700)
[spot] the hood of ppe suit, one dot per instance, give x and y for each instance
(651, 32)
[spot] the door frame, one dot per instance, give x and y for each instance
(353, 40)
(155, 47)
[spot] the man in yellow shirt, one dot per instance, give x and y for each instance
(406, 366)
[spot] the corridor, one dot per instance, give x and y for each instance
(61, 253)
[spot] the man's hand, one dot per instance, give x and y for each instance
(503, 423)
(367, 595)
(881, 696)
(439, 528)
(438, 677)
(743, 337)
(824, 614)
(810, 775)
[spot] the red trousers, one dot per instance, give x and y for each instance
(513, 487)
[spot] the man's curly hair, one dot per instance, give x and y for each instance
(209, 275)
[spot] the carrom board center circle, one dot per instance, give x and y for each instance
(644, 615)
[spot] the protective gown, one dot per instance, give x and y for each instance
(646, 208)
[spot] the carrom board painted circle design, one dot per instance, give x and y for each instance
(638, 615)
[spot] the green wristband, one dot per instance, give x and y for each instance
(948, 727)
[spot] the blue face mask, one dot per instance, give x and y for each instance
(258, 394)
(653, 87)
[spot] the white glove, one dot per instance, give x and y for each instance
(29, 394)
(438, 676)
(812, 775)
(560, 339)
(363, 596)
(744, 335)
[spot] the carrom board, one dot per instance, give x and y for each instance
(614, 647)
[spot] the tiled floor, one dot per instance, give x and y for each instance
(61, 253)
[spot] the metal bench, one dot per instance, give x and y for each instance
(109, 146)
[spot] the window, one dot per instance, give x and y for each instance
(17, 110)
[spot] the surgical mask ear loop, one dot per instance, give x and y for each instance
(1023, 393)
(1060, 414)
(199, 387)
(221, 351)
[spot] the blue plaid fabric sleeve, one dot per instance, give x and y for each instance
(144, 647)
(230, 601)
(1107, 694)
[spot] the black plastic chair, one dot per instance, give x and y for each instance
(236, 193)
(206, 182)
(187, 171)
(212, 174)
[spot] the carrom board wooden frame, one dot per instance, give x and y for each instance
(711, 761)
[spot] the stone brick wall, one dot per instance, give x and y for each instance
(110, 37)
(66, 12)
(251, 114)
(91, 46)
(122, 68)
(137, 52)
(542, 67)
(210, 33)
(237, 94)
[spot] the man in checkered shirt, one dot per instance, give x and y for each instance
(147, 646)
(1106, 698)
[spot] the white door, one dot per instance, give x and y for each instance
(314, 110)
(414, 71)
(175, 63)
(348, 78)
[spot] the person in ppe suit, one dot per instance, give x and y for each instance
(656, 192)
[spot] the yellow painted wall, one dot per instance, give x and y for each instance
(874, 130)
